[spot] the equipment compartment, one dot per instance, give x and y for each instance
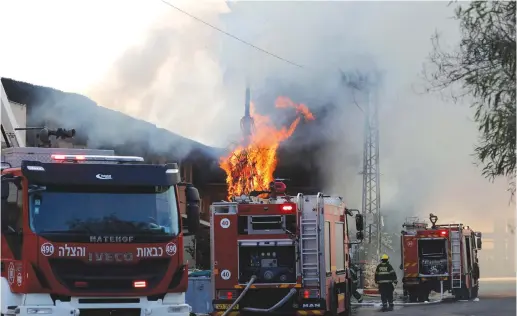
(271, 264)
(266, 224)
(433, 257)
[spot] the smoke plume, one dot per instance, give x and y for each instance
(190, 79)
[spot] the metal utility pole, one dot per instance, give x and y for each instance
(367, 86)
(371, 177)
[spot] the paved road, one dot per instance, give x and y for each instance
(496, 298)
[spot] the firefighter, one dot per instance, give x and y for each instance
(355, 283)
(386, 278)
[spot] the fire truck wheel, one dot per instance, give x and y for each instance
(333, 300)
(475, 290)
(468, 293)
(463, 294)
(413, 297)
(348, 307)
(423, 295)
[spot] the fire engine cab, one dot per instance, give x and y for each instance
(281, 254)
(439, 258)
(91, 234)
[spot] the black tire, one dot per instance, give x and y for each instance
(468, 293)
(475, 290)
(413, 297)
(333, 300)
(464, 293)
(348, 299)
(424, 295)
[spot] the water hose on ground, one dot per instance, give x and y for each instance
(253, 278)
(274, 307)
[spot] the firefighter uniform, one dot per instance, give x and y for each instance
(355, 283)
(385, 277)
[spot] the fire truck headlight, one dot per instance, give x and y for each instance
(147, 311)
(75, 312)
(268, 275)
(39, 311)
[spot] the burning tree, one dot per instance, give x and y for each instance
(251, 164)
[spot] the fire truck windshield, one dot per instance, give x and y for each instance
(106, 211)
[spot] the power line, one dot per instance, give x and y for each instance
(233, 36)
(247, 43)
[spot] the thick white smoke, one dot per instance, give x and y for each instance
(190, 79)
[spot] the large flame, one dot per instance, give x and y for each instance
(250, 166)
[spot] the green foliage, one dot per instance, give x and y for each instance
(483, 67)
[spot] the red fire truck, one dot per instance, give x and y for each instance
(439, 258)
(84, 231)
(281, 254)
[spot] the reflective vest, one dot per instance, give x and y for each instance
(385, 273)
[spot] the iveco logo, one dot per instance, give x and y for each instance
(103, 176)
(110, 256)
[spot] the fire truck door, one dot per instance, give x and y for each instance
(468, 253)
(12, 220)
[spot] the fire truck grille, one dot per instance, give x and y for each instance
(110, 312)
(80, 276)
(268, 298)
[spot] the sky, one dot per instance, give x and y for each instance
(69, 45)
(150, 61)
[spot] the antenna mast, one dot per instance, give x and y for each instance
(367, 85)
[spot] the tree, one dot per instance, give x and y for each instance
(483, 66)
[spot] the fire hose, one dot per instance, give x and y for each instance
(253, 278)
(259, 310)
(274, 307)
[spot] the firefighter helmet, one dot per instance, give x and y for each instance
(384, 257)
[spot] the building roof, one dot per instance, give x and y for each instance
(100, 127)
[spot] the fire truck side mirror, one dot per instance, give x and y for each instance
(173, 172)
(359, 222)
(6, 179)
(478, 243)
(359, 235)
(192, 208)
(5, 190)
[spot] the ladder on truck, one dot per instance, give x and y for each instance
(310, 238)
(455, 236)
(10, 133)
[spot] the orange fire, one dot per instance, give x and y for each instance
(250, 167)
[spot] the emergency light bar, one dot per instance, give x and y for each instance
(72, 158)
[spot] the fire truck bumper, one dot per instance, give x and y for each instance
(296, 312)
(172, 306)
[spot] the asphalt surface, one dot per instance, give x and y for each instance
(496, 297)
